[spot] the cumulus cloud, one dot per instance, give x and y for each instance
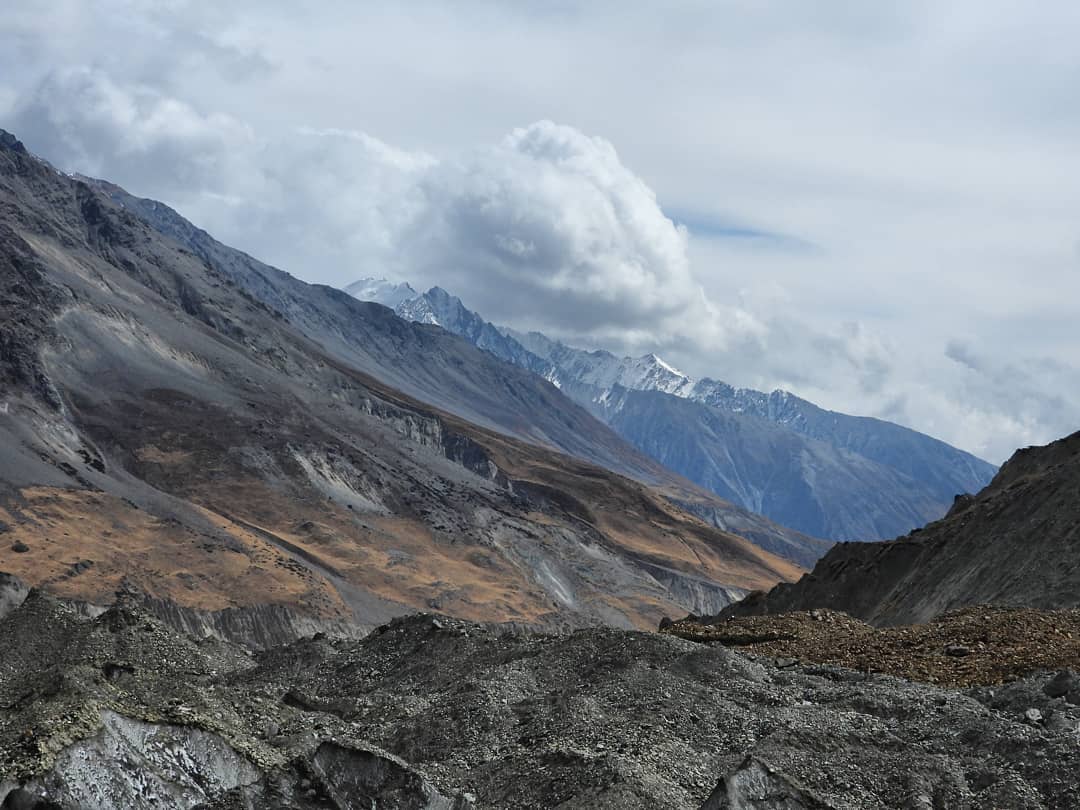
(329, 205)
(960, 352)
(1022, 399)
(549, 229)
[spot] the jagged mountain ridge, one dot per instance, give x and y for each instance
(770, 457)
(1015, 543)
(162, 426)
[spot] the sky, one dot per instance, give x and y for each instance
(875, 206)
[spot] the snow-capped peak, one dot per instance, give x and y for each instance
(666, 366)
(598, 369)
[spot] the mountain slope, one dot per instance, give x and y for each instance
(824, 473)
(944, 470)
(163, 428)
(791, 478)
(1015, 543)
(419, 360)
(440, 368)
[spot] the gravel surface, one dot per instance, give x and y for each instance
(975, 646)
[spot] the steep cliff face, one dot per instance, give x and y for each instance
(1015, 543)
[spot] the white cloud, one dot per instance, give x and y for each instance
(548, 229)
(545, 229)
(130, 134)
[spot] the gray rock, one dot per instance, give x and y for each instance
(9, 141)
(355, 777)
(754, 785)
(23, 799)
(1063, 684)
(598, 718)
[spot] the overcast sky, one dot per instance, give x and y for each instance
(874, 205)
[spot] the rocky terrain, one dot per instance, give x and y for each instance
(824, 473)
(163, 426)
(1016, 543)
(119, 711)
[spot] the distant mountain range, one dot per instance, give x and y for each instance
(824, 473)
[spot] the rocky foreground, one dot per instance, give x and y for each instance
(119, 711)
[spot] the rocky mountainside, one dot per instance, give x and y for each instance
(823, 473)
(438, 367)
(161, 426)
(118, 712)
(1015, 543)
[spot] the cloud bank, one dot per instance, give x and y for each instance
(875, 207)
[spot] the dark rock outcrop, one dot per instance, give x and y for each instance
(9, 141)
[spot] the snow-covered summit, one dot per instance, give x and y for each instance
(604, 370)
(561, 364)
(381, 291)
